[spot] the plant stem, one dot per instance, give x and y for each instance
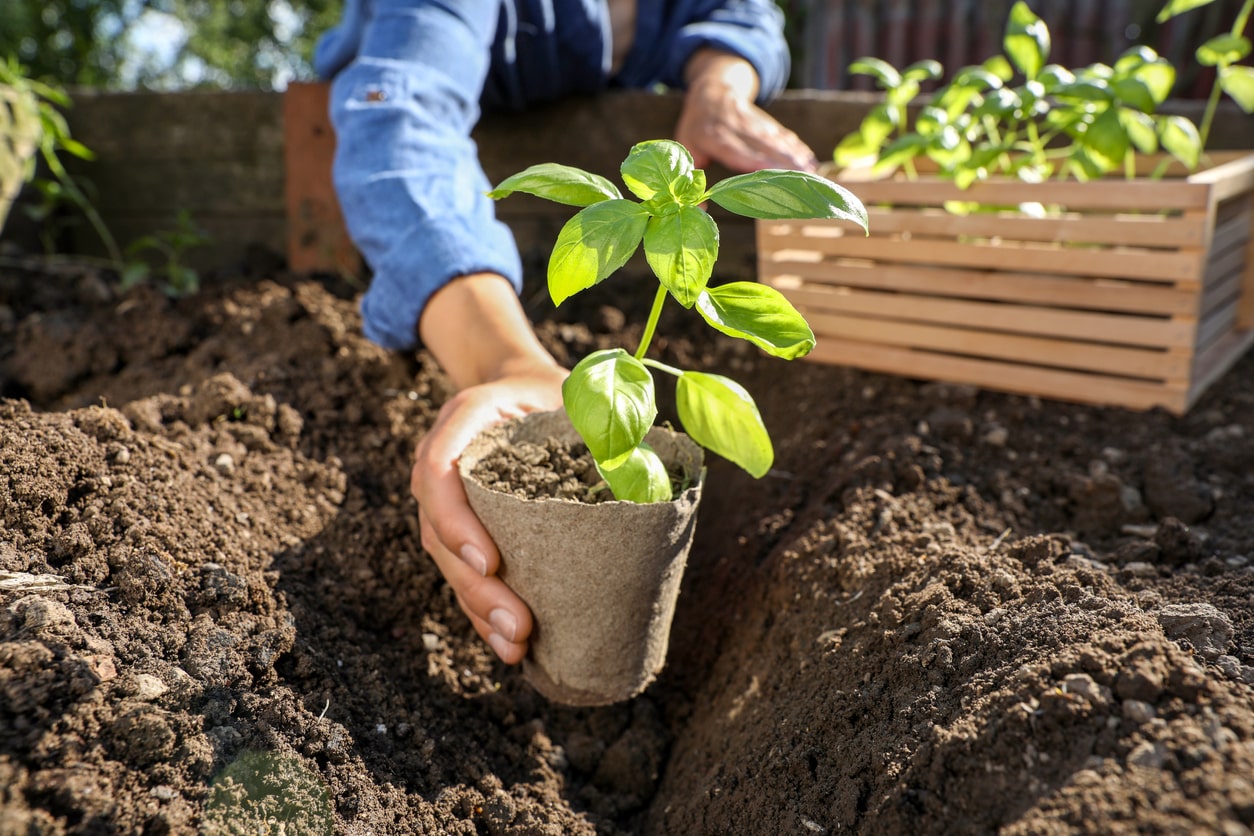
(651, 325)
(662, 367)
(1212, 103)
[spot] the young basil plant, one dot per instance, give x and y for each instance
(609, 395)
(1019, 115)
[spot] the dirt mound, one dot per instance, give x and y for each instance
(943, 611)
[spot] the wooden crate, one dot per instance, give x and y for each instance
(1135, 293)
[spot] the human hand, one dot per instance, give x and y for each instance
(720, 121)
(451, 533)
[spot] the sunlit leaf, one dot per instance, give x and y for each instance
(657, 165)
(641, 478)
(721, 416)
(759, 314)
(773, 194)
(593, 244)
(1027, 40)
(682, 247)
(558, 183)
(609, 399)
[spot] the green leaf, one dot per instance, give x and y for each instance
(609, 399)
(658, 165)
(1223, 50)
(1159, 77)
(854, 150)
(1053, 76)
(641, 478)
(925, 70)
(1106, 139)
(1091, 90)
(1134, 57)
(1179, 7)
(999, 67)
(1027, 40)
(1134, 93)
(682, 247)
(773, 194)
(1180, 137)
(558, 183)
(1238, 82)
(593, 244)
(721, 416)
(884, 73)
(1140, 128)
(759, 314)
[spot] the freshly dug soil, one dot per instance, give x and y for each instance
(944, 610)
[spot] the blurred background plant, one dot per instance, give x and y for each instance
(33, 136)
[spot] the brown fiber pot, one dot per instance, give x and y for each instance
(601, 580)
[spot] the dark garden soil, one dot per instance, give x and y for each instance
(944, 611)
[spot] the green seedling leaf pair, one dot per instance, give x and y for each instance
(610, 394)
(1056, 122)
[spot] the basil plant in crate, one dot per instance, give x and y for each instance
(1054, 122)
(603, 589)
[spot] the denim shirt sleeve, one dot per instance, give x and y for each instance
(406, 170)
(752, 29)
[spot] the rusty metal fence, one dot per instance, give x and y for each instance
(828, 35)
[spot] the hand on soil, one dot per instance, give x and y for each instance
(451, 533)
(718, 124)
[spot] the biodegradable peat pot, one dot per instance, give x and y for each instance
(601, 579)
(1135, 293)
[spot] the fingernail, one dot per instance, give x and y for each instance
(503, 622)
(498, 644)
(475, 559)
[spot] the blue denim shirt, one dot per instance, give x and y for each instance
(410, 77)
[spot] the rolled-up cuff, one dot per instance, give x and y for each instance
(768, 55)
(428, 256)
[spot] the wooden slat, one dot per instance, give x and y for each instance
(1144, 265)
(1088, 292)
(1233, 231)
(1146, 230)
(1118, 195)
(1212, 363)
(1222, 270)
(1229, 179)
(1006, 377)
(1150, 364)
(1114, 329)
(1245, 308)
(1221, 321)
(317, 240)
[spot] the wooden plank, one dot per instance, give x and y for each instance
(190, 126)
(1086, 292)
(1006, 377)
(1115, 329)
(1229, 179)
(166, 187)
(1245, 308)
(1145, 265)
(1219, 322)
(1140, 230)
(317, 240)
(1213, 363)
(1118, 195)
(1150, 364)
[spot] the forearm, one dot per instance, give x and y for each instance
(477, 330)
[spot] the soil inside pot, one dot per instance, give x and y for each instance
(551, 470)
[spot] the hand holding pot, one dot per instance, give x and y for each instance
(502, 372)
